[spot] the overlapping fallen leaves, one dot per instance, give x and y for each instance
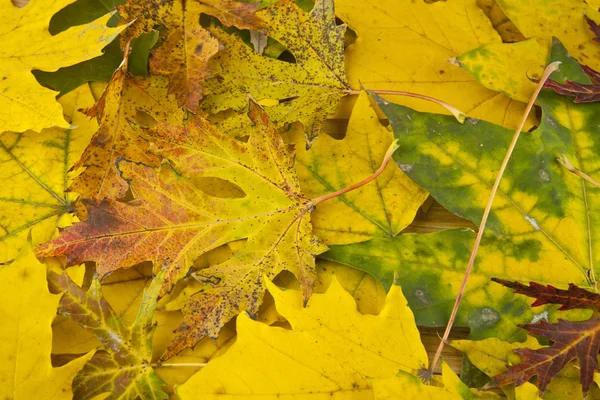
(207, 156)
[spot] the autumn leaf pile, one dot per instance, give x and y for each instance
(197, 201)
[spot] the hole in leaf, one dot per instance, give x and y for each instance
(288, 57)
(144, 119)
(219, 255)
(20, 3)
(217, 187)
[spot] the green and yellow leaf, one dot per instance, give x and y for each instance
(36, 174)
(123, 368)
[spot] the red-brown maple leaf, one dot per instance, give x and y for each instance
(574, 297)
(572, 340)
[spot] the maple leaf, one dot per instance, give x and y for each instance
(382, 209)
(35, 176)
(331, 350)
(307, 91)
(594, 27)
(185, 53)
(123, 369)
(574, 297)
(172, 222)
(395, 41)
(579, 340)
(26, 334)
(25, 104)
(493, 357)
(583, 93)
(125, 96)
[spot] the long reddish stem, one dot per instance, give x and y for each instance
(388, 155)
(549, 69)
(459, 115)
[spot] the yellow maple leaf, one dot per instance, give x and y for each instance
(27, 311)
(405, 46)
(307, 91)
(28, 45)
(332, 350)
(35, 176)
(383, 208)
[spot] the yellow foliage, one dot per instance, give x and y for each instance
(35, 176)
(26, 336)
(563, 19)
(24, 104)
(383, 208)
(332, 351)
(405, 45)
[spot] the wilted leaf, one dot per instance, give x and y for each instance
(307, 90)
(35, 176)
(123, 369)
(27, 311)
(579, 340)
(396, 40)
(188, 47)
(172, 221)
(380, 209)
(123, 99)
(564, 19)
(332, 350)
(25, 104)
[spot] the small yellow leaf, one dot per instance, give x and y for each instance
(382, 208)
(27, 311)
(508, 68)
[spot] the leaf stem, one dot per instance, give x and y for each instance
(549, 70)
(459, 115)
(388, 155)
(564, 161)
